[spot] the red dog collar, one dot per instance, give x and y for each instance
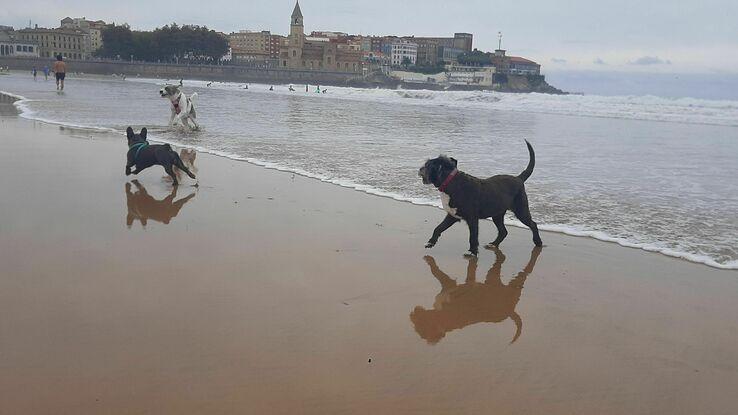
(445, 183)
(175, 104)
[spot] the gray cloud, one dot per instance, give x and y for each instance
(650, 60)
(599, 61)
(558, 60)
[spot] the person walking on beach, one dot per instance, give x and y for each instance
(34, 72)
(46, 72)
(60, 71)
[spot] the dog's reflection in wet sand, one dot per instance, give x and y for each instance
(143, 207)
(459, 305)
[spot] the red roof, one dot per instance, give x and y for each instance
(518, 59)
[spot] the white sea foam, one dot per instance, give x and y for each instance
(650, 108)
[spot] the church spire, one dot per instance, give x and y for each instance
(297, 13)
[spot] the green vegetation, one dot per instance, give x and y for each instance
(475, 58)
(171, 43)
(406, 62)
(429, 69)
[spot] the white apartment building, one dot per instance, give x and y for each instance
(10, 45)
(401, 49)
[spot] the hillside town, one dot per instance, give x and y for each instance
(430, 61)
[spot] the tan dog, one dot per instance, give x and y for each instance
(188, 158)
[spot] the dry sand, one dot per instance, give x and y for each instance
(263, 292)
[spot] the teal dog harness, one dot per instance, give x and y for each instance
(138, 146)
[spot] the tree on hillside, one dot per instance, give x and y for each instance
(117, 42)
(406, 62)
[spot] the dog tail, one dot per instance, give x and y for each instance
(532, 163)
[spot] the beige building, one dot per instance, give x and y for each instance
(471, 75)
(254, 47)
(70, 43)
(317, 53)
(93, 28)
(250, 46)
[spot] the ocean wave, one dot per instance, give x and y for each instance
(647, 108)
(28, 113)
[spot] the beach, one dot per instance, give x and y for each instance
(261, 291)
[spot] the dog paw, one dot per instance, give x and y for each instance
(430, 244)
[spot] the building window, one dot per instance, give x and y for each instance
(294, 53)
(18, 48)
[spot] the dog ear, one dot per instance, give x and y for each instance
(143, 133)
(129, 132)
(454, 160)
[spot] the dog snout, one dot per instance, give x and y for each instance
(423, 175)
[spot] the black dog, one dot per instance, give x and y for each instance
(142, 155)
(469, 198)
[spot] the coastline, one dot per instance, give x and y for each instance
(236, 73)
(269, 291)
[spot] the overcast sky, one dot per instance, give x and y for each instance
(625, 35)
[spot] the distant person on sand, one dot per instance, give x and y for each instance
(60, 70)
(306, 87)
(34, 72)
(271, 88)
(317, 89)
(46, 72)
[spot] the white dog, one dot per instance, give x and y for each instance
(183, 107)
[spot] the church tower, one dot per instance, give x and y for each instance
(296, 38)
(296, 25)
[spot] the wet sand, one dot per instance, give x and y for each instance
(265, 292)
